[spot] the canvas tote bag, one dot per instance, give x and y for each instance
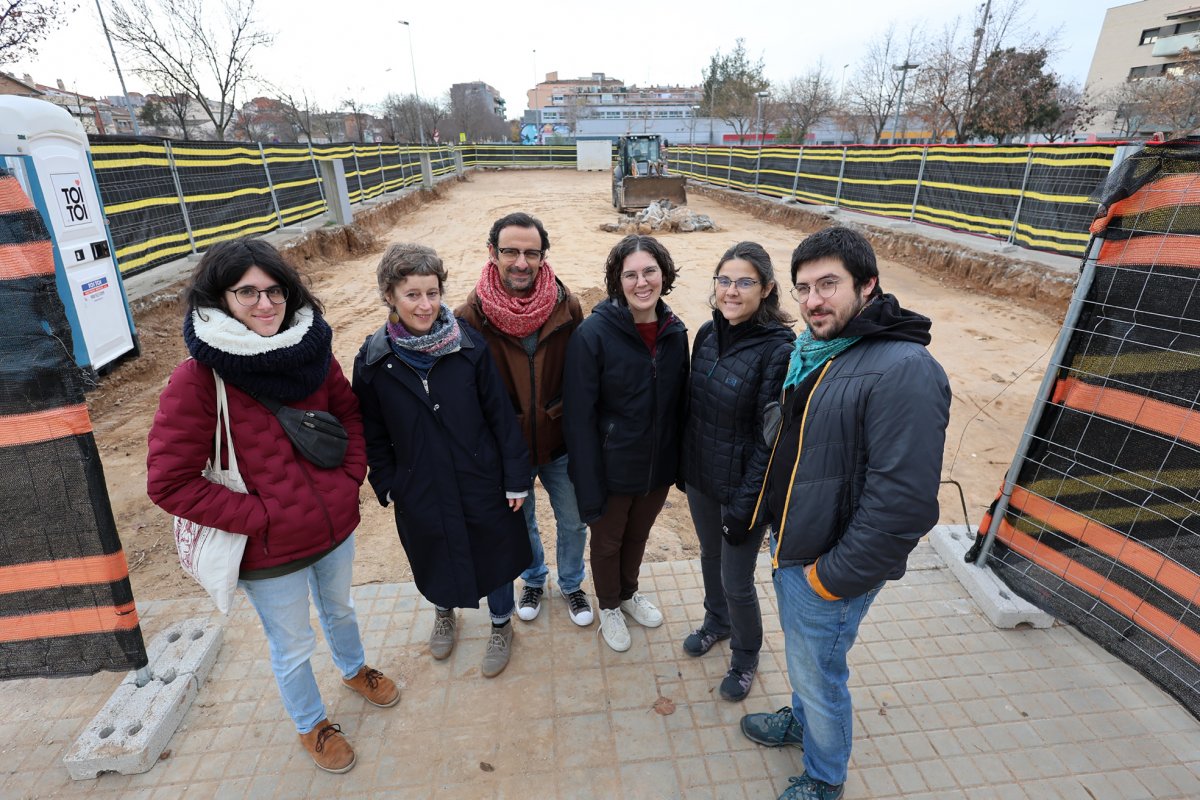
(210, 555)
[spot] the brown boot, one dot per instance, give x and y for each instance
(375, 687)
(328, 748)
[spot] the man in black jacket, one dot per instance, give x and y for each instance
(851, 487)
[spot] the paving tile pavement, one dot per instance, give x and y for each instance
(946, 707)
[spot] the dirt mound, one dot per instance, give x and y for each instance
(661, 216)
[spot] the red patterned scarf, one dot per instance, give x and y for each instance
(517, 316)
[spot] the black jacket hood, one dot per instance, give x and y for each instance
(883, 318)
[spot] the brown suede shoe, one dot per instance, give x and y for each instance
(375, 687)
(328, 748)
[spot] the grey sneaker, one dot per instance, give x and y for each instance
(530, 603)
(499, 648)
(644, 612)
(578, 606)
(774, 730)
(701, 640)
(441, 641)
(736, 684)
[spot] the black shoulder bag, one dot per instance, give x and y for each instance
(317, 435)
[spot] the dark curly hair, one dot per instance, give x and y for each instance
(631, 244)
(224, 264)
(850, 246)
(518, 219)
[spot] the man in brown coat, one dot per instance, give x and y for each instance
(527, 316)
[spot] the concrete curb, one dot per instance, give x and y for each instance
(997, 602)
(135, 725)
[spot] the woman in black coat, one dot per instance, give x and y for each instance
(739, 361)
(444, 446)
(624, 395)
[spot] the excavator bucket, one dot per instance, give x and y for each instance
(638, 193)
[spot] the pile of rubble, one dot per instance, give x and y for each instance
(661, 215)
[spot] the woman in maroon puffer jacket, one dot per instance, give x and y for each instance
(251, 320)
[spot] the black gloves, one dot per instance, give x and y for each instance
(736, 531)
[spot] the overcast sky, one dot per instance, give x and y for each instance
(335, 50)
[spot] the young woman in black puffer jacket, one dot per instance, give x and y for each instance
(739, 361)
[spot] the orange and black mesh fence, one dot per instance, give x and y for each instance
(66, 606)
(1103, 525)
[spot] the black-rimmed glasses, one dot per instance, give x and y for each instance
(249, 296)
(826, 288)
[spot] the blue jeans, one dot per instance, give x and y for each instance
(282, 605)
(817, 635)
(572, 533)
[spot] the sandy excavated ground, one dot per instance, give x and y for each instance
(993, 349)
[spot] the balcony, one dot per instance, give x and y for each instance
(1174, 45)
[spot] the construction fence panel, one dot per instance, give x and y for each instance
(777, 170)
(881, 180)
(296, 184)
(140, 201)
(1101, 525)
(225, 189)
(1056, 212)
(370, 169)
(818, 178)
(441, 160)
(972, 189)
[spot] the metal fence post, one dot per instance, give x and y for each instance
(362, 193)
(1012, 233)
(758, 163)
(916, 192)
(270, 183)
(729, 169)
(837, 197)
(382, 169)
(796, 179)
(706, 163)
(187, 222)
(312, 156)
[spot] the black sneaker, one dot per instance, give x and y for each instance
(736, 684)
(530, 603)
(701, 640)
(774, 730)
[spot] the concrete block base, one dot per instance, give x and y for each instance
(997, 602)
(135, 725)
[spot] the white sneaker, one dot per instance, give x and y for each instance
(612, 625)
(530, 603)
(642, 610)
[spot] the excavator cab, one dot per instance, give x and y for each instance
(639, 175)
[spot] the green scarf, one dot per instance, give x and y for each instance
(809, 353)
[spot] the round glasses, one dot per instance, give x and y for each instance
(249, 296)
(743, 284)
(825, 288)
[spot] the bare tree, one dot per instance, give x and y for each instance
(875, 87)
(24, 23)
(186, 43)
(947, 90)
(297, 109)
(407, 116)
(357, 116)
(801, 102)
(173, 113)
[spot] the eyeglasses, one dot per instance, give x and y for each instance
(249, 296)
(826, 288)
(743, 284)
(511, 253)
(649, 273)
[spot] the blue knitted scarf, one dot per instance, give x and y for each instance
(808, 354)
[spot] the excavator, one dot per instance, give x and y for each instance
(639, 175)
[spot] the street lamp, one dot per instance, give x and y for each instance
(132, 116)
(416, 94)
(903, 70)
(761, 96)
(842, 89)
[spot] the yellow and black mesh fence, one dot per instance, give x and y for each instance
(1034, 196)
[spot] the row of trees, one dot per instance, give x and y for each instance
(970, 81)
(197, 59)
